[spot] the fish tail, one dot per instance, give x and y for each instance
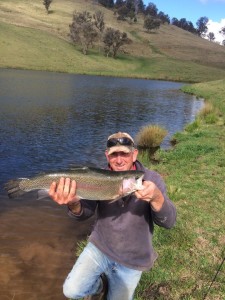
(13, 189)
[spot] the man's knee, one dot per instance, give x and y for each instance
(71, 290)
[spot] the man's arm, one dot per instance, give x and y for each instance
(75, 207)
(164, 211)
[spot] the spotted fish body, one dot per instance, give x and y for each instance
(92, 183)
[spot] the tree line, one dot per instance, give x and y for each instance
(86, 29)
(130, 9)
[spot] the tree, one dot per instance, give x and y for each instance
(106, 3)
(163, 17)
(113, 40)
(82, 30)
(175, 22)
(99, 24)
(222, 31)
(119, 3)
(138, 6)
(211, 36)
(151, 10)
(123, 13)
(130, 4)
(202, 26)
(47, 4)
(184, 24)
(127, 10)
(99, 20)
(131, 9)
(151, 23)
(191, 27)
(141, 6)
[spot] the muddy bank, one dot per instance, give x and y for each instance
(37, 248)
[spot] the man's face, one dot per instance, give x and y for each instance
(121, 161)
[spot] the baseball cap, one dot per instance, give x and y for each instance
(120, 142)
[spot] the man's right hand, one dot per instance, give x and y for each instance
(64, 192)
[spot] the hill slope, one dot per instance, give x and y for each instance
(169, 53)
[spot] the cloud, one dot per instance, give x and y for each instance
(215, 27)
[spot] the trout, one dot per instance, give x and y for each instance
(92, 183)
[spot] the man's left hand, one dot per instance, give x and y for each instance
(151, 194)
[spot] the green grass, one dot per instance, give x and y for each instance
(27, 48)
(190, 254)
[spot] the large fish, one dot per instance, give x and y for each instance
(92, 183)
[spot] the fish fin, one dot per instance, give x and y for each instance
(13, 189)
(117, 197)
(42, 194)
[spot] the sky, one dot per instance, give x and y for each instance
(192, 10)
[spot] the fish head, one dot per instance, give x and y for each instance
(132, 184)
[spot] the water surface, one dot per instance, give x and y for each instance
(51, 120)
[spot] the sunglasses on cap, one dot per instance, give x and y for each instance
(124, 141)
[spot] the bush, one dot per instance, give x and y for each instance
(150, 136)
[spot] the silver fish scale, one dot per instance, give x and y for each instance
(88, 187)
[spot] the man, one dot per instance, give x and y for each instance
(120, 245)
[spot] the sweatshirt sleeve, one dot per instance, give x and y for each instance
(166, 217)
(87, 210)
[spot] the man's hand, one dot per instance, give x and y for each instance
(151, 194)
(64, 192)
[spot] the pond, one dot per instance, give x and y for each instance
(49, 121)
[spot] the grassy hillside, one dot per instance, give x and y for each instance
(32, 39)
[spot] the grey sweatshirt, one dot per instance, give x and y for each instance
(123, 229)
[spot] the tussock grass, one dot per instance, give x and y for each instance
(150, 136)
(207, 109)
(209, 114)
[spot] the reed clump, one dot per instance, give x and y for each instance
(209, 113)
(208, 108)
(150, 136)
